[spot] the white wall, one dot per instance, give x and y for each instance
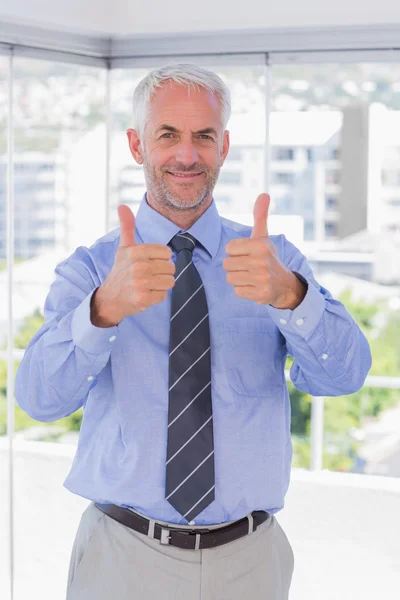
(157, 16)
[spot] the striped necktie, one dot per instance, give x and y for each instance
(190, 478)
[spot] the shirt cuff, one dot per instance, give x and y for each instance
(88, 337)
(303, 319)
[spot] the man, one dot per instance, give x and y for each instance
(172, 333)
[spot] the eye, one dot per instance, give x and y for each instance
(204, 136)
(166, 135)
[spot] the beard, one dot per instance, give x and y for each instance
(190, 196)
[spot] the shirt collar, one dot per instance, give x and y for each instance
(154, 228)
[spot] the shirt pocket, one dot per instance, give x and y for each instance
(252, 355)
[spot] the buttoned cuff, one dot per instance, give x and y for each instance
(88, 337)
(303, 319)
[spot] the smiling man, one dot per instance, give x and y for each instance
(182, 149)
(172, 332)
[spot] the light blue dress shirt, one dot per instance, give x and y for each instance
(120, 375)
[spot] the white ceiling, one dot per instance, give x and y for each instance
(135, 17)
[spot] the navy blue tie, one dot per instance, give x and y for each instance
(190, 480)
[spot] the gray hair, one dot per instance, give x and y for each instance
(186, 74)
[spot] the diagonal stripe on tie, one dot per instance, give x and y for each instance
(190, 477)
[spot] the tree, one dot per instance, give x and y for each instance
(342, 414)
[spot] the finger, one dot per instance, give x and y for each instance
(244, 263)
(152, 252)
(247, 246)
(261, 208)
(241, 278)
(248, 292)
(162, 282)
(162, 267)
(127, 226)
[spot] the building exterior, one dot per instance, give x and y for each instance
(38, 193)
(338, 171)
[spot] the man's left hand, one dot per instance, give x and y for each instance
(254, 269)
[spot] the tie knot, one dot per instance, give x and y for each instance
(183, 241)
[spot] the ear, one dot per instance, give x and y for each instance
(225, 146)
(135, 145)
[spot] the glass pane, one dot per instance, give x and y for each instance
(127, 184)
(4, 452)
(335, 165)
(242, 176)
(60, 183)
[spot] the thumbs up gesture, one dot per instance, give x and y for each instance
(139, 278)
(254, 269)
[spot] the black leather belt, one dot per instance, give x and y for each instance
(190, 539)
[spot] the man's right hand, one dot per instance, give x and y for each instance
(139, 278)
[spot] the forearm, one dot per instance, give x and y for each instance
(61, 364)
(332, 356)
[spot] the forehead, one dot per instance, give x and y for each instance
(173, 100)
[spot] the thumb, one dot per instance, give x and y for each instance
(260, 212)
(127, 226)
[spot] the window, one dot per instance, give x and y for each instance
(230, 178)
(59, 137)
(330, 230)
(59, 150)
(391, 177)
(235, 153)
(224, 200)
(282, 153)
(331, 202)
(332, 177)
(283, 178)
(335, 154)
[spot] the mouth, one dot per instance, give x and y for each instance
(184, 176)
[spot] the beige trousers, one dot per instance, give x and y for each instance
(112, 562)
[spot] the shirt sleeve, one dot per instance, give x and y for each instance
(331, 355)
(66, 355)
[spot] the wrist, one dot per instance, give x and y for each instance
(100, 313)
(293, 296)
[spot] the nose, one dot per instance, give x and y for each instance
(186, 152)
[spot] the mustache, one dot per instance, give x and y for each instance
(185, 169)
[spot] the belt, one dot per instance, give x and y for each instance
(190, 539)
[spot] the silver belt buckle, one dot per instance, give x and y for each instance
(165, 537)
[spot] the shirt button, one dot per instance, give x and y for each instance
(112, 338)
(283, 321)
(90, 378)
(299, 321)
(192, 523)
(324, 356)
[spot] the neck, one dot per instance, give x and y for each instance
(184, 219)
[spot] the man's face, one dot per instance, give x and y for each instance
(184, 147)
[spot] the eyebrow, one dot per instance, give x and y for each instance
(172, 129)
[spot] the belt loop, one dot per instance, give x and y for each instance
(150, 532)
(251, 523)
(197, 544)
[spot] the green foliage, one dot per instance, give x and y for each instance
(50, 431)
(341, 414)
